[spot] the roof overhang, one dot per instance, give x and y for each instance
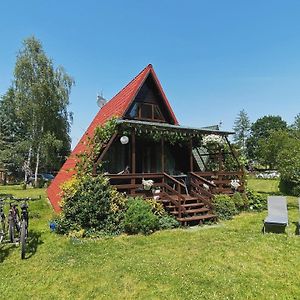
(179, 128)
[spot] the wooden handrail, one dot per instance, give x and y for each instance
(174, 180)
(209, 183)
(216, 173)
(136, 175)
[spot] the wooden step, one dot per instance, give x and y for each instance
(196, 218)
(186, 197)
(199, 204)
(192, 211)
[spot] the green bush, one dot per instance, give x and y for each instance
(289, 167)
(139, 217)
(224, 207)
(296, 190)
(289, 188)
(92, 204)
(23, 185)
(256, 201)
(239, 202)
(168, 222)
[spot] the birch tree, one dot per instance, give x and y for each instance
(42, 98)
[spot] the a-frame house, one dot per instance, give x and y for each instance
(185, 174)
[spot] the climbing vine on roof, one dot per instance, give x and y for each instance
(94, 144)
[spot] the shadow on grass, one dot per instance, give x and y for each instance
(33, 241)
(297, 228)
(5, 250)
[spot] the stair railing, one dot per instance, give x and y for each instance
(202, 187)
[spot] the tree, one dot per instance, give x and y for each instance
(289, 167)
(12, 140)
(242, 130)
(269, 149)
(42, 98)
(296, 124)
(261, 130)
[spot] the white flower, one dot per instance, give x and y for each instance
(205, 186)
(147, 184)
(235, 184)
(213, 139)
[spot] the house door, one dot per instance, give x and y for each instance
(148, 157)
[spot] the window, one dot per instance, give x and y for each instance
(146, 111)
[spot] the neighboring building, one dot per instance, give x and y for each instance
(159, 149)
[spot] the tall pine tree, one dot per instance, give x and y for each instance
(242, 129)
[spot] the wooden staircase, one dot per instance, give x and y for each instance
(191, 210)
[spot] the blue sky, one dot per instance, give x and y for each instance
(213, 57)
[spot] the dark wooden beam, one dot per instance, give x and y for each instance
(162, 155)
(133, 153)
(191, 155)
(200, 155)
(233, 153)
(133, 159)
(96, 164)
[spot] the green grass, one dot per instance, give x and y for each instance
(230, 260)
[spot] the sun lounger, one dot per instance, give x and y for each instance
(277, 214)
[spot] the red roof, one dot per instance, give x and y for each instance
(117, 106)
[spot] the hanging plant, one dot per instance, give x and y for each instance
(213, 141)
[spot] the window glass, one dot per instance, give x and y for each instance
(134, 111)
(157, 113)
(146, 111)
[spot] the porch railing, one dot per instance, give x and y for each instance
(170, 188)
(222, 181)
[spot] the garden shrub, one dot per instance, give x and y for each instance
(289, 167)
(92, 204)
(296, 190)
(224, 207)
(168, 222)
(157, 207)
(256, 201)
(139, 217)
(238, 201)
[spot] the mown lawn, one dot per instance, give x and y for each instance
(230, 260)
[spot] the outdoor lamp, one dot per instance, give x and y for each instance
(124, 140)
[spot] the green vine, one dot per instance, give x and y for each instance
(93, 145)
(157, 134)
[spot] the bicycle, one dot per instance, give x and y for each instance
(24, 228)
(17, 229)
(13, 222)
(2, 221)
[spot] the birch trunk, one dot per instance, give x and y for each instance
(28, 164)
(37, 166)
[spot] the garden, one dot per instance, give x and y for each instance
(231, 259)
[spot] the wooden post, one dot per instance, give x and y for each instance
(162, 155)
(133, 159)
(191, 155)
(220, 159)
(133, 162)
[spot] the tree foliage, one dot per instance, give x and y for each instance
(242, 129)
(39, 98)
(12, 134)
(268, 149)
(289, 166)
(260, 131)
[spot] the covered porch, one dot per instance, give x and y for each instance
(185, 170)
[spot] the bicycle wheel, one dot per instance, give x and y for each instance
(23, 239)
(11, 232)
(2, 230)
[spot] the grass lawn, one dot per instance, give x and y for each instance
(230, 260)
